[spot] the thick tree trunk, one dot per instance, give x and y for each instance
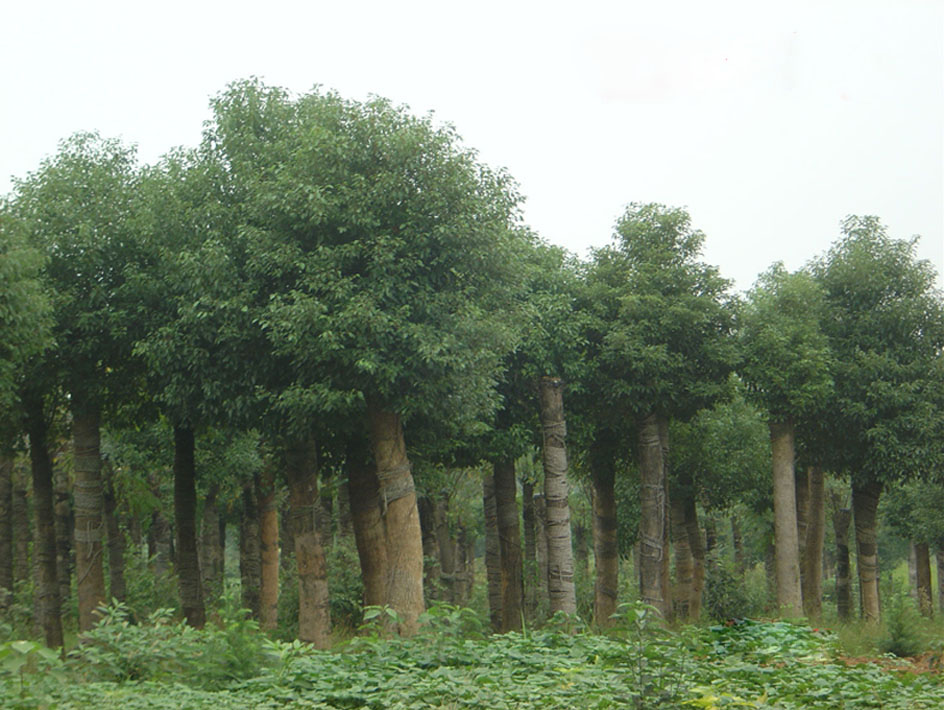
(314, 608)
(117, 588)
(404, 541)
(540, 530)
(605, 546)
(562, 594)
(530, 551)
(696, 545)
(21, 526)
(509, 544)
(89, 511)
(268, 551)
(62, 510)
(211, 546)
(652, 514)
(841, 519)
(6, 529)
(865, 507)
(250, 552)
(185, 524)
(786, 543)
(368, 529)
(684, 562)
(431, 568)
(923, 579)
(812, 561)
(493, 576)
(44, 545)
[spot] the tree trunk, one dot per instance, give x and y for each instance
(431, 569)
(368, 529)
(44, 545)
(923, 579)
(116, 539)
(651, 514)
(466, 556)
(62, 510)
(802, 488)
(540, 530)
(250, 553)
(404, 541)
(6, 529)
(697, 546)
(841, 519)
(605, 546)
(185, 524)
(268, 551)
(314, 608)
(939, 557)
(446, 545)
(812, 560)
(786, 544)
(89, 511)
(562, 594)
(493, 574)
(21, 525)
(684, 562)
(509, 544)
(211, 546)
(865, 506)
(530, 551)
(667, 604)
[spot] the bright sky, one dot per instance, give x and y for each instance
(769, 121)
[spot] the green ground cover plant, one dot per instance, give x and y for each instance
(453, 663)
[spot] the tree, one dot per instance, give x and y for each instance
(786, 364)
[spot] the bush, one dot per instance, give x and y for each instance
(903, 634)
(729, 597)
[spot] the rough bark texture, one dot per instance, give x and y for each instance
(605, 547)
(786, 543)
(684, 563)
(652, 514)
(530, 551)
(923, 579)
(841, 519)
(368, 530)
(250, 553)
(404, 540)
(812, 561)
(802, 488)
(117, 589)
(211, 546)
(562, 595)
(864, 509)
(185, 524)
(6, 529)
(493, 578)
(268, 551)
(89, 511)
(540, 530)
(62, 511)
(431, 569)
(696, 545)
(44, 545)
(21, 527)
(314, 610)
(509, 545)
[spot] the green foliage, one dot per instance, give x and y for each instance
(727, 596)
(904, 628)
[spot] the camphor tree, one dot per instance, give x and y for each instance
(885, 323)
(663, 347)
(786, 365)
(393, 255)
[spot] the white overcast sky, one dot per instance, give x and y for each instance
(769, 121)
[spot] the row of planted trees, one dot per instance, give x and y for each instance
(330, 274)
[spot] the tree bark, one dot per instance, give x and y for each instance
(562, 594)
(6, 529)
(89, 511)
(802, 488)
(509, 544)
(314, 607)
(44, 545)
(812, 561)
(530, 551)
(211, 546)
(250, 552)
(62, 510)
(493, 575)
(404, 540)
(667, 604)
(652, 514)
(786, 544)
(684, 562)
(923, 579)
(116, 539)
(21, 526)
(841, 519)
(696, 545)
(368, 529)
(605, 545)
(431, 568)
(268, 550)
(865, 507)
(540, 530)
(185, 524)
